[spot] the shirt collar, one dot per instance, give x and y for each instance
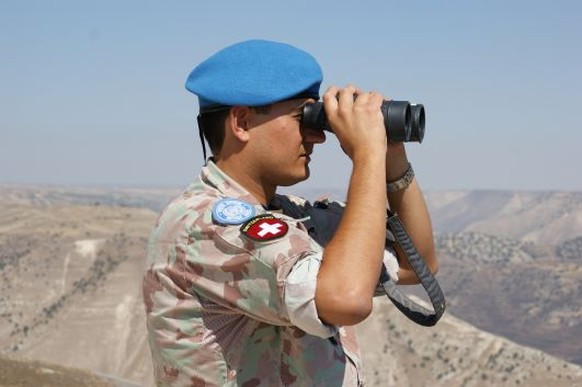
(215, 177)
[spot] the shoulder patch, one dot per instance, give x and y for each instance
(264, 228)
(232, 211)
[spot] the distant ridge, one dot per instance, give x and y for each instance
(540, 217)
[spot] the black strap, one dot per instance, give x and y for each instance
(201, 135)
(410, 308)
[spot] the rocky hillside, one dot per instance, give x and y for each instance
(521, 290)
(511, 263)
(70, 273)
(453, 353)
(70, 286)
(30, 373)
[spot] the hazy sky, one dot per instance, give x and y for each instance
(92, 92)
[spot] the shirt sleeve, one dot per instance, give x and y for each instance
(392, 267)
(300, 297)
(391, 263)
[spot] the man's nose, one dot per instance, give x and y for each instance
(313, 136)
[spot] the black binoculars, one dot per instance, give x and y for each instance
(404, 122)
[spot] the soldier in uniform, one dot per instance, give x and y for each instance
(247, 287)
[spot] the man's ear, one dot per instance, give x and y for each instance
(238, 122)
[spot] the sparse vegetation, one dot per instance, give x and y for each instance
(13, 250)
(481, 248)
(570, 249)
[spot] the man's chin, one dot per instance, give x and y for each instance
(297, 179)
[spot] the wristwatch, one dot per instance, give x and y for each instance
(403, 182)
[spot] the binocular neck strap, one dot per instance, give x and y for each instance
(407, 306)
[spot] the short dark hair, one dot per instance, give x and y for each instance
(211, 124)
(212, 127)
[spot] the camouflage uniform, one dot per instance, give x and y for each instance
(218, 303)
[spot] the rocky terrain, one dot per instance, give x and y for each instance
(17, 372)
(71, 262)
(453, 353)
(512, 264)
(70, 285)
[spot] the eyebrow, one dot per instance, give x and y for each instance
(299, 108)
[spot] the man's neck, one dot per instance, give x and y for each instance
(237, 171)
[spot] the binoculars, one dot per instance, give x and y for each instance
(404, 122)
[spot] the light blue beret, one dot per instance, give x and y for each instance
(255, 73)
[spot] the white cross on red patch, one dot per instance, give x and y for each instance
(264, 228)
(267, 228)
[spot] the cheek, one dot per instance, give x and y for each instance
(281, 140)
(290, 133)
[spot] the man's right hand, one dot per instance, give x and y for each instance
(356, 119)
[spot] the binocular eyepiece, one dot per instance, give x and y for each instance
(404, 122)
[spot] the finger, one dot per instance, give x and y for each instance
(329, 98)
(346, 98)
(376, 98)
(363, 98)
(357, 91)
(369, 100)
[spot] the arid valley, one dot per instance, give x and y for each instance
(71, 260)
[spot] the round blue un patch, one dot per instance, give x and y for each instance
(232, 211)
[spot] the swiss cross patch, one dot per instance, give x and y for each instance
(264, 228)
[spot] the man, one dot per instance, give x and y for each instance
(239, 289)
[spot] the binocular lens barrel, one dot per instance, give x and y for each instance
(417, 123)
(403, 121)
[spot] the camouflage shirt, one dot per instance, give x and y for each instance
(218, 302)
